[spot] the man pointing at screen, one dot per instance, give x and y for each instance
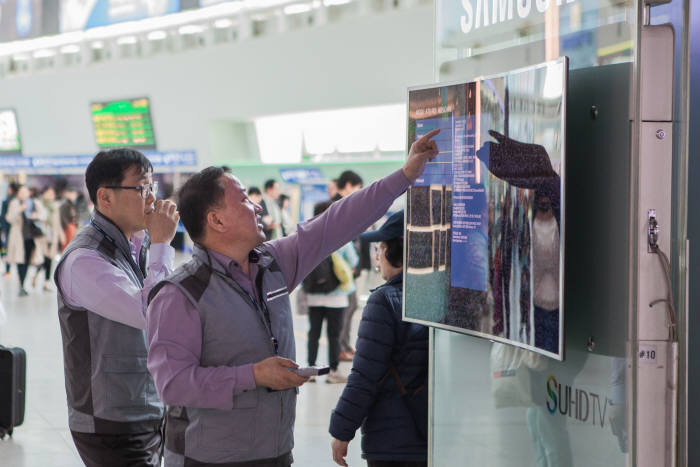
(221, 343)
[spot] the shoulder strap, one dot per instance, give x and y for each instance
(394, 372)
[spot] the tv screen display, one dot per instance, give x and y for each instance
(123, 123)
(493, 201)
(10, 142)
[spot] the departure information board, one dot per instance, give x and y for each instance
(123, 123)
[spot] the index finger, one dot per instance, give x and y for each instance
(287, 362)
(428, 135)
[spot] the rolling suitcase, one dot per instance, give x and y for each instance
(13, 367)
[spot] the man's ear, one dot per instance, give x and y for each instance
(215, 222)
(105, 198)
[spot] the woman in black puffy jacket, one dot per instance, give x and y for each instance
(394, 425)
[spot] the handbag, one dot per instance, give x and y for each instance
(30, 228)
(416, 402)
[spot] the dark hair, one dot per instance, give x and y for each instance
(282, 199)
(109, 167)
(320, 207)
(166, 190)
(14, 186)
(349, 177)
(199, 194)
(394, 252)
(270, 184)
(253, 190)
(60, 185)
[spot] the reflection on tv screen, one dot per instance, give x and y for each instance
(486, 217)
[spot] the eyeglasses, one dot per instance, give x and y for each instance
(145, 190)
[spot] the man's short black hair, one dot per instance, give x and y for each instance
(349, 177)
(197, 196)
(108, 168)
(269, 184)
(253, 190)
(394, 252)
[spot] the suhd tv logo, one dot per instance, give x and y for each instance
(576, 403)
(484, 13)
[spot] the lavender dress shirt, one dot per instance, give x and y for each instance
(174, 326)
(102, 288)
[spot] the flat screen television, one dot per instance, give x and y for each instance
(10, 142)
(484, 249)
(123, 123)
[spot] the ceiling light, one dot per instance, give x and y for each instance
(297, 8)
(126, 40)
(44, 53)
(97, 45)
(156, 35)
(190, 29)
(20, 57)
(335, 2)
(70, 49)
(223, 23)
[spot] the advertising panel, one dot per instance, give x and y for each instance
(485, 227)
(20, 19)
(76, 15)
(10, 142)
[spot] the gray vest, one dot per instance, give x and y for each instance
(235, 332)
(109, 388)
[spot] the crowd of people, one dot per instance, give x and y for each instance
(35, 226)
(334, 302)
(197, 365)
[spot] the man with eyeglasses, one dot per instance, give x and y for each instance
(103, 280)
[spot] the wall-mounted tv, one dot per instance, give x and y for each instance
(485, 222)
(10, 142)
(123, 123)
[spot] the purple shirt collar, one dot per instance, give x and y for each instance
(232, 269)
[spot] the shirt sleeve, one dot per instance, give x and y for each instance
(344, 220)
(90, 282)
(175, 345)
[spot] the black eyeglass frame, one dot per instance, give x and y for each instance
(153, 188)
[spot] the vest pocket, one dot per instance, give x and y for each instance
(127, 382)
(246, 400)
(229, 431)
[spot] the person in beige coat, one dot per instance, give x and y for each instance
(49, 244)
(21, 247)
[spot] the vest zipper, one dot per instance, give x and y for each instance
(246, 296)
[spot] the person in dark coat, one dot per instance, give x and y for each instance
(393, 428)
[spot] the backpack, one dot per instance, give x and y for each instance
(322, 279)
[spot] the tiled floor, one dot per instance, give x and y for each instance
(44, 440)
